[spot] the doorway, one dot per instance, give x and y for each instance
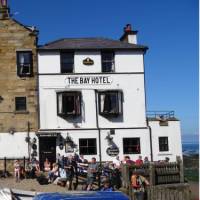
(47, 148)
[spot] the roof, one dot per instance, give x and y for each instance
(32, 29)
(90, 44)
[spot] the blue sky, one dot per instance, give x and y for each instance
(169, 28)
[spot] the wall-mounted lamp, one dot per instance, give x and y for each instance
(12, 130)
(69, 141)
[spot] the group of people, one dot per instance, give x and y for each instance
(65, 172)
(31, 170)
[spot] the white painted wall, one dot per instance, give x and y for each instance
(173, 132)
(129, 61)
(49, 62)
(14, 145)
(81, 68)
(132, 86)
(125, 61)
(143, 134)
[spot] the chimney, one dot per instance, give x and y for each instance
(129, 35)
(4, 9)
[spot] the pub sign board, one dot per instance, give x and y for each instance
(112, 151)
(88, 61)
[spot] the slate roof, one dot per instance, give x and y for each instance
(90, 44)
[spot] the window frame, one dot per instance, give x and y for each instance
(113, 61)
(119, 106)
(21, 110)
(66, 52)
(87, 146)
(163, 147)
(128, 138)
(76, 94)
(19, 67)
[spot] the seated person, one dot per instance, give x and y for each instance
(53, 174)
(47, 165)
(35, 168)
(106, 186)
(62, 178)
(28, 170)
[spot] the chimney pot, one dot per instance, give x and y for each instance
(129, 35)
(128, 28)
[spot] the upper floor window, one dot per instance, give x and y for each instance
(24, 63)
(69, 103)
(131, 145)
(107, 60)
(163, 144)
(67, 62)
(110, 103)
(20, 103)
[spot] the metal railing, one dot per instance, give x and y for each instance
(162, 115)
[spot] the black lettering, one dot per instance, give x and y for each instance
(81, 80)
(108, 80)
(93, 80)
(76, 80)
(96, 80)
(100, 79)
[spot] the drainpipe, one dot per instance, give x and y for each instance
(150, 138)
(28, 136)
(99, 131)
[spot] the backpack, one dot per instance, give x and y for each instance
(136, 182)
(42, 180)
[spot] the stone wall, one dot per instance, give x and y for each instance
(14, 36)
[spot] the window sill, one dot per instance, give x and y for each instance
(25, 112)
(110, 114)
(165, 154)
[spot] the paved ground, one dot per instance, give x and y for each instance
(194, 187)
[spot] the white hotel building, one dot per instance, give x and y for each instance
(92, 102)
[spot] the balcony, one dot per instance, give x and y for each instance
(161, 116)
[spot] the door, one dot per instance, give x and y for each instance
(47, 148)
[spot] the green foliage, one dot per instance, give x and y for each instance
(191, 175)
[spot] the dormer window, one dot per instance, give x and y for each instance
(110, 103)
(24, 63)
(107, 60)
(67, 62)
(69, 103)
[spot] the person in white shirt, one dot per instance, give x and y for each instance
(117, 162)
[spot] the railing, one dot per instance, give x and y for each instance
(162, 115)
(5, 172)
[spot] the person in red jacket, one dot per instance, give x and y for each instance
(139, 161)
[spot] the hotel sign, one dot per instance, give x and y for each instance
(88, 80)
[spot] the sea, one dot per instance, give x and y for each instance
(190, 148)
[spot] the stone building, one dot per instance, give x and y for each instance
(18, 85)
